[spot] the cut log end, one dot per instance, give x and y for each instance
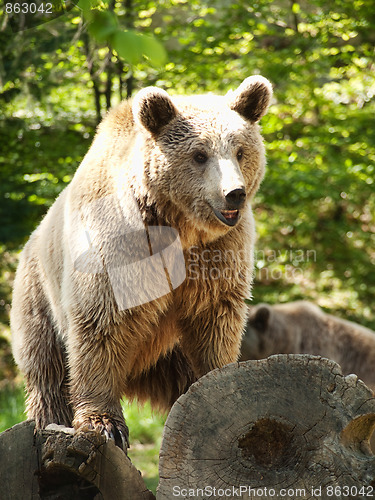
(290, 421)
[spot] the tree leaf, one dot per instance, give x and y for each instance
(85, 6)
(127, 46)
(153, 50)
(104, 24)
(132, 46)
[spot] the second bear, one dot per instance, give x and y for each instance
(303, 328)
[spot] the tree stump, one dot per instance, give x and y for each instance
(56, 464)
(290, 426)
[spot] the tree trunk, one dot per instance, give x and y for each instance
(129, 84)
(94, 78)
(120, 70)
(290, 426)
(108, 85)
(129, 23)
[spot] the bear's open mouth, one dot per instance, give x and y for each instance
(229, 217)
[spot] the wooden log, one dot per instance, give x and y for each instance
(18, 463)
(286, 425)
(56, 464)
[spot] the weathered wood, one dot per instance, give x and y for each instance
(285, 423)
(56, 464)
(18, 463)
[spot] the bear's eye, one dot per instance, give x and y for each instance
(200, 157)
(239, 154)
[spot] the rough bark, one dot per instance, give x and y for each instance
(58, 465)
(290, 422)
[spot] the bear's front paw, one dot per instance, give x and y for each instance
(110, 427)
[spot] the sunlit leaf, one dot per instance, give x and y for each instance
(132, 46)
(103, 25)
(127, 45)
(85, 6)
(154, 50)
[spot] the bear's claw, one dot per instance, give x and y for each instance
(110, 428)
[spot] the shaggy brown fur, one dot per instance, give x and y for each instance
(160, 161)
(302, 327)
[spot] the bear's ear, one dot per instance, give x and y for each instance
(252, 98)
(153, 108)
(261, 318)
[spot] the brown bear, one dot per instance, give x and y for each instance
(303, 328)
(104, 304)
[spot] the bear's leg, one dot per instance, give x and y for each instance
(164, 382)
(212, 339)
(96, 386)
(48, 391)
(38, 352)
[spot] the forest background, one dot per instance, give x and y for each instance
(315, 211)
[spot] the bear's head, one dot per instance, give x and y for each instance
(256, 336)
(278, 329)
(204, 155)
(267, 332)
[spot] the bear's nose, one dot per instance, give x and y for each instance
(236, 198)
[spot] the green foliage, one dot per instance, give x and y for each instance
(30, 179)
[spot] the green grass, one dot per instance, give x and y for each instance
(145, 428)
(12, 406)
